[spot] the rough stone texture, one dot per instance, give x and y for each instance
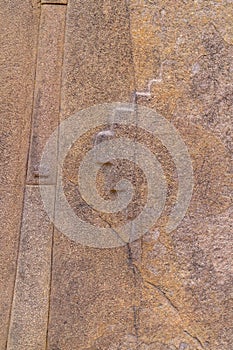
(164, 291)
(10, 209)
(93, 297)
(182, 280)
(18, 50)
(55, 2)
(48, 84)
(29, 317)
(97, 58)
(194, 48)
(93, 294)
(189, 49)
(17, 56)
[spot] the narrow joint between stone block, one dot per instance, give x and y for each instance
(54, 2)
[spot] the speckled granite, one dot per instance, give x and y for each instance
(29, 316)
(93, 294)
(164, 291)
(46, 104)
(30, 303)
(17, 56)
(182, 279)
(189, 50)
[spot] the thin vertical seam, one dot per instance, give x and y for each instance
(55, 196)
(135, 314)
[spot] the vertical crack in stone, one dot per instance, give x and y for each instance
(160, 290)
(195, 338)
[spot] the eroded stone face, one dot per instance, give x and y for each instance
(17, 56)
(194, 70)
(173, 294)
(165, 290)
(94, 291)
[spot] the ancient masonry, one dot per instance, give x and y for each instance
(149, 86)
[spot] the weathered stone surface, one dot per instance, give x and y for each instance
(29, 317)
(188, 43)
(55, 2)
(165, 291)
(46, 105)
(18, 51)
(93, 295)
(176, 282)
(97, 58)
(17, 55)
(188, 51)
(10, 209)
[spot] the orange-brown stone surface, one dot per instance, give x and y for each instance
(164, 290)
(18, 41)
